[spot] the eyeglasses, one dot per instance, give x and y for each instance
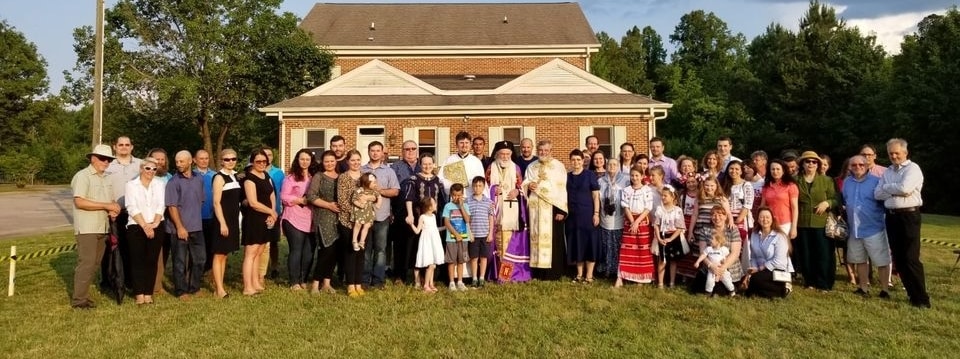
(124, 145)
(230, 159)
(410, 149)
(150, 169)
(260, 162)
(807, 162)
(857, 165)
(868, 154)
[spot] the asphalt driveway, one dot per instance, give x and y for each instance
(35, 212)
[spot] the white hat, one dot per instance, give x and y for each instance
(101, 151)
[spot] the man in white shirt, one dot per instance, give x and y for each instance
(451, 172)
(899, 189)
(724, 147)
(122, 169)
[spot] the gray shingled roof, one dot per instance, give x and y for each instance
(333, 102)
(448, 24)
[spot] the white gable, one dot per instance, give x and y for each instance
(374, 78)
(558, 77)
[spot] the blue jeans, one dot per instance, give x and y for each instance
(190, 252)
(301, 253)
(375, 254)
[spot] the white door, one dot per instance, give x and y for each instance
(365, 136)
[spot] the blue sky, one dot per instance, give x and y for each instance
(50, 23)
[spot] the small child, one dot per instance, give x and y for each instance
(366, 200)
(481, 209)
(456, 218)
(714, 255)
(430, 248)
(669, 227)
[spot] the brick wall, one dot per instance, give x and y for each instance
(562, 131)
(461, 66)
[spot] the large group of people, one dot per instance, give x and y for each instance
(757, 227)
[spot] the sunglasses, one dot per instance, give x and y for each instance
(807, 162)
(260, 162)
(232, 159)
(857, 165)
(410, 149)
(151, 169)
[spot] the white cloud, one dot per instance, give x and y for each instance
(891, 29)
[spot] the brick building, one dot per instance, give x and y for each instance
(424, 72)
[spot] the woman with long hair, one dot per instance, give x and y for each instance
(598, 163)
(347, 183)
(258, 220)
(297, 223)
(626, 157)
(769, 250)
(322, 194)
(711, 164)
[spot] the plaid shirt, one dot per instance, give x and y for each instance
(480, 212)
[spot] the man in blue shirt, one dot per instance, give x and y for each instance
(375, 258)
(202, 160)
(184, 199)
(865, 217)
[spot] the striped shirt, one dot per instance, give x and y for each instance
(480, 212)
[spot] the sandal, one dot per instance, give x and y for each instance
(577, 279)
(588, 280)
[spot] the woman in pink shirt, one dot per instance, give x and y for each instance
(781, 194)
(298, 217)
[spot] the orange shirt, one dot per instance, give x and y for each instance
(778, 196)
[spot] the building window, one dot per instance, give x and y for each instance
(316, 142)
(427, 141)
(605, 139)
(514, 135)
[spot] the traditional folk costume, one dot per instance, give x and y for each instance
(636, 259)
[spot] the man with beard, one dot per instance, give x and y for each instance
(338, 145)
(454, 172)
(526, 154)
(657, 158)
(184, 199)
(512, 248)
(546, 183)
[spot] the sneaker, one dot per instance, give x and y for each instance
(480, 283)
(453, 287)
(884, 294)
(461, 286)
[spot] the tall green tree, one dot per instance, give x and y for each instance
(209, 62)
(708, 67)
(818, 87)
(927, 102)
(23, 79)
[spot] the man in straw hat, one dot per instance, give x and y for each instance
(92, 205)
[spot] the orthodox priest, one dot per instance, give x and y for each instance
(545, 183)
(511, 255)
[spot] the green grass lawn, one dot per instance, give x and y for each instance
(537, 319)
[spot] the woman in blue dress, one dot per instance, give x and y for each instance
(583, 201)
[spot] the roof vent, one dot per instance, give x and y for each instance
(469, 77)
(373, 26)
(370, 38)
(505, 19)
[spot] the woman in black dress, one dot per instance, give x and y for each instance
(226, 209)
(259, 218)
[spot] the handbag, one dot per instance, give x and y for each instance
(836, 227)
(781, 276)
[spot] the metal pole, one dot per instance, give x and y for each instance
(97, 128)
(13, 270)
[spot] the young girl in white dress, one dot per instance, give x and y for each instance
(430, 248)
